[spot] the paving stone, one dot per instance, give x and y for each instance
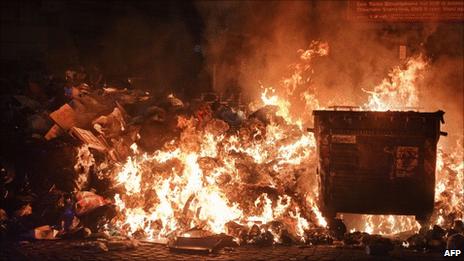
(64, 250)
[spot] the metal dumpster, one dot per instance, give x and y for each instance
(377, 162)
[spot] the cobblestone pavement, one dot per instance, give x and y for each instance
(66, 250)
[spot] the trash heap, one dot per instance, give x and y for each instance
(54, 140)
(44, 193)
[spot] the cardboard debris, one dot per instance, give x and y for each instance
(65, 117)
(88, 138)
(53, 132)
(87, 201)
(110, 125)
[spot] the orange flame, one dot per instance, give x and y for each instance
(206, 177)
(399, 91)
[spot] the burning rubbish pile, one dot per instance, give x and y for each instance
(120, 162)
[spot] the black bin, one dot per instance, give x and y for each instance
(377, 162)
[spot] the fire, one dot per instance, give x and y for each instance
(130, 177)
(210, 176)
(449, 189)
(387, 224)
(197, 185)
(296, 88)
(269, 97)
(399, 91)
(84, 163)
(189, 194)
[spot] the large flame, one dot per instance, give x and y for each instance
(213, 177)
(399, 91)
(449, 189)
(260, 173)
(197, 184)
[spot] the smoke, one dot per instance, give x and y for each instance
(249, 43)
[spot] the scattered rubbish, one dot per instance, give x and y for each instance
(87, 201)
(53, 132)
(24, 211)
(65, 117)
(378, 246)
(44, 232)
(88, 138)
(455, 241)
(355, 238)
(77, 233)
(111, 125)
(435, 238)
(318, 236)
(337, 229)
